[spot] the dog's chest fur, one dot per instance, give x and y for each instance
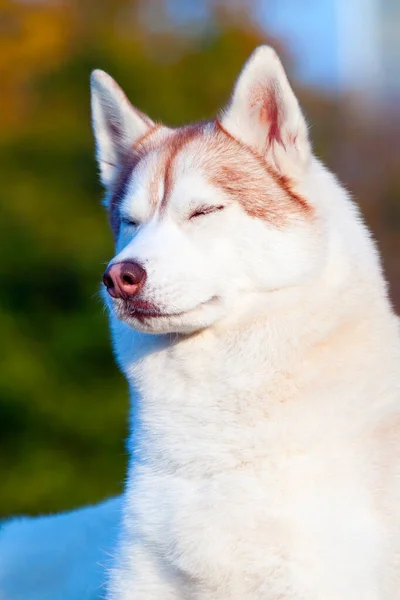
(237, 481)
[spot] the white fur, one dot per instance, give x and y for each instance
(265, 415)
(116, 123)
(262, 75)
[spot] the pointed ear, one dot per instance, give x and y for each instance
(116, 124)
(265, 115)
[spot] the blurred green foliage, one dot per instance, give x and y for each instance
(63, 404)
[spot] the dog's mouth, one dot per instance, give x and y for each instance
(142, 310)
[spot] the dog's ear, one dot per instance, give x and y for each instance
(116, 124)
(265, 115)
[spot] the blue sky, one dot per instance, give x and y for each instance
(309, 29)
(333, 43)
(306, 27)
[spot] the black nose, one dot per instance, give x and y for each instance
(124, 279)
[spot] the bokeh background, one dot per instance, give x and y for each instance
(63, 404)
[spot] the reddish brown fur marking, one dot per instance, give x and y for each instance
(282, 181)
(287, 184)
(248, 189)
(265, 99)
(273, 110)
(175, 145)
(140, 142)
(170, 149)
(235, 167)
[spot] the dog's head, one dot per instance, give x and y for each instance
(206, 215)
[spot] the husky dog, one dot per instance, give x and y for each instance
(250, 316)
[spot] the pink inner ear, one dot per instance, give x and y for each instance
(264, 98)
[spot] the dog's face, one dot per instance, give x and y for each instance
(207, 215)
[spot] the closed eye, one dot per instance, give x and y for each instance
(205, 210)
(129, 222)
